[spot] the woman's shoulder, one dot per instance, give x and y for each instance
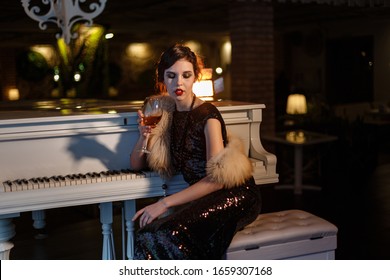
(207, 107)
(207, 111)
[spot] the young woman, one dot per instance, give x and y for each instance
(192, 139)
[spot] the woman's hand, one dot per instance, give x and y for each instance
(149, 213)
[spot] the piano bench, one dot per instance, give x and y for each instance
(290, 234)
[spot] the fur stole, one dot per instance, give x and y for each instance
(159, 158)
(231, 167)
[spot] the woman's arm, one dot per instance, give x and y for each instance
(214, 144)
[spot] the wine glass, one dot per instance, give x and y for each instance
(152, 112)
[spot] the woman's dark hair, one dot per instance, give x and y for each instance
(170, 56)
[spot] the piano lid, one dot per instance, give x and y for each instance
(64, 107)
(25, 109)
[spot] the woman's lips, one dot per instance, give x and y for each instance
(179, 92)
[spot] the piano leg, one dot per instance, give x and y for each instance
(7, 231)
(106, 218)
(39, 223)
(129, 209)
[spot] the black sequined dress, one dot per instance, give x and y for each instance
(202, 229)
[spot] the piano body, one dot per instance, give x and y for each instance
(51, 160)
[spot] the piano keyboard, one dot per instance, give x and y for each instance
(73, 180)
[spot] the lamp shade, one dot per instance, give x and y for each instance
(296, 104)
(204, 88)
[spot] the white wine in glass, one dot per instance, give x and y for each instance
(152, 112)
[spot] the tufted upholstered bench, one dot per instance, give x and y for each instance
(290, 234)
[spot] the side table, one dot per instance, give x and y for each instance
(298, 139)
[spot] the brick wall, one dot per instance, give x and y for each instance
(252, 67)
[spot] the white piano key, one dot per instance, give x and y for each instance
(7, 186)
(70, 180)
(34, 182)
(112, 176)
(105, 176)
(29, 184)
(46, 182)
(117, 175)
(61, 181)
(140, 175)
(98, 177)
(54, 182)
(41, 183)
(18, 185)
(90, 177)
(25, 186)
(83, 179)
(76, 179)
(128, 174)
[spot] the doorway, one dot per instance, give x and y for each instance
(349, 70)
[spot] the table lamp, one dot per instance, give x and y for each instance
(204, 88)
(296, 104)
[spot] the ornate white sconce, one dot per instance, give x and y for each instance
(63, 13)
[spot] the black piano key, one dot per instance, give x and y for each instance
(70, 179)
(140, 174)
(105, 176)
(41, 183)
(55, 182)
(91, 178)
(76, 179)
(115, 175)
(46, 182)
(18, 184)
(35, 183)
(83, 179)
(97, 177)
(130, 174)
(25, 185)
(62, 180)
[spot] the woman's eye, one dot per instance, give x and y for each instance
(171, 75)
(187, 75)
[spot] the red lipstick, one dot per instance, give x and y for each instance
(179, 92)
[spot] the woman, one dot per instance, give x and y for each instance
(221, 197)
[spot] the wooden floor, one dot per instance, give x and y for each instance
(355, 196)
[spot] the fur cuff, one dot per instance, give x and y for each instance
(231, 167)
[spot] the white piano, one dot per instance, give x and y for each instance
(58, 157)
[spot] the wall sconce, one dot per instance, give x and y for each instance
(204, 88)
(13, 94)
(296, 104)
(63, 13)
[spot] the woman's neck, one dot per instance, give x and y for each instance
(187, 105)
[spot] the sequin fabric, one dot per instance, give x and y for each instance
(204, 228)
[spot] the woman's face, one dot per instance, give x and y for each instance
(179, 79)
